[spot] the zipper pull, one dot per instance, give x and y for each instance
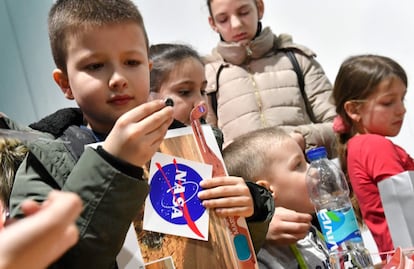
(248, 51)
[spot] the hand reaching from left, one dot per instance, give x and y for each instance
(227, 195)
(47, 231)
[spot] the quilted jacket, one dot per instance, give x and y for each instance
(258, 88)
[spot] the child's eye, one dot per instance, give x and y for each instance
(386, 102)
(203, 92)
(221, 20)
(301, 165)
(389, 102)
(244, 12)
(132, 62)
(94, 66)
(296, 165)
(184, 92)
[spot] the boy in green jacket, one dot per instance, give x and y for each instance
(100, 50)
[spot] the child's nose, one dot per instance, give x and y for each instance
(117, 81)
(402, 109)
(235, 21)
(198, 99)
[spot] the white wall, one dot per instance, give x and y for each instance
(334, 29)
(27, 91)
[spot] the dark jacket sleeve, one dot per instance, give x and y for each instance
(264, 208)
(110, 206)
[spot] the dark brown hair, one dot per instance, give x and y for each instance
(165, 58)
(66, 17)
(209, 6)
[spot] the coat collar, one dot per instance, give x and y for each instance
(236, 54)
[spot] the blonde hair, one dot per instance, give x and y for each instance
(248, 155)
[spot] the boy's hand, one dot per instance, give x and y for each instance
(138, 133)
(227, 195)
(288, 226)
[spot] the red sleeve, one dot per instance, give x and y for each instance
(377, 155)
(372, 158)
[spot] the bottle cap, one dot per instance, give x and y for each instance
(316, 153)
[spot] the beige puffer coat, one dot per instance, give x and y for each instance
(258, 87)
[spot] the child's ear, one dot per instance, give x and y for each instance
(352, 110)
(61, 79)
(212, 24)
(260, 8)
(265, 184)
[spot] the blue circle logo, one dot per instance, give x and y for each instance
(173, 194)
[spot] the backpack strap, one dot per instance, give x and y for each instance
(213, 95)
(301, 81)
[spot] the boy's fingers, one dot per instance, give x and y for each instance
(139, 113)
(234, 211)
(222, 191)
(228, 202)
(223, 187)
(220, 181)
(135, 139)
(67, 204)
(30, 207)
(291, 215)
(161, 118)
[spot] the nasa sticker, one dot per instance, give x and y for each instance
(172, 206)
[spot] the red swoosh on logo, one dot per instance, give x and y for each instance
(183, 208)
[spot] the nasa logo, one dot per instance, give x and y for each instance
(175, 199)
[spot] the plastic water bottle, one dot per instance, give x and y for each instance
(329, 192)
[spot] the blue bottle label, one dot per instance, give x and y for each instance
(339, 226)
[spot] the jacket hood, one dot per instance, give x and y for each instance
(59, 121)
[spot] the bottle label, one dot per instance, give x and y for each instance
(339, 226)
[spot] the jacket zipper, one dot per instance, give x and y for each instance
(256, 90)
